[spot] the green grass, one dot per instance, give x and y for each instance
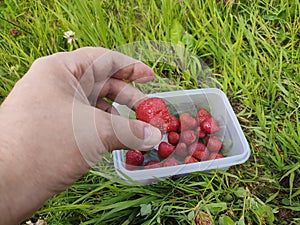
(253, 51)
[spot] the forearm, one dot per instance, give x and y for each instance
(21, 192)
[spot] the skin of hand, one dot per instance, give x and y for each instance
(56, 124)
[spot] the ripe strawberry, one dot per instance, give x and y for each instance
(153, 164)
(199, 151)
(202, 115)
(188, 136)
(202, 155)
(214, 144)
(155, 112)
(210, 125)
(196, 146)
(181, 149)
(173, 124)
(187, 122)
(201, 133)
(133, 158)
(165, 149)
(160, 123)
(170, 162)
(190, 159)
(173, 138)
(215, 155)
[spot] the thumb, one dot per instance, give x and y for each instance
(98, 132)
(131, 134)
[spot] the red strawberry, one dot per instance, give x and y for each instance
(210, 125)
(160, 123)
(133, 158)
(153, 164)
(188, 136)
(181, 149)
(202, 155)
(190, 159)
(170, 162)
(215, 155)
(155, 112)
(199, 151)
(202, 115)
(165, 149)
(214, 144)
(173, 138)
(196, 146)
(173, 124)
(201, 133)
(187, 122)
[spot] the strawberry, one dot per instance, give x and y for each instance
(155, 112)
(170, 162)
(188, 136)
(160, 123)
(201, 133)
(199, 151)
(196, 146)
(215, 155)
(181, 150)
(134, 158)
(202, 115)
(173, 124)
(214, 144)
(173, 138)
(153, 164)
(202, 155)
(165, 149)
(187, 122)
(190, 159)
(210, 125)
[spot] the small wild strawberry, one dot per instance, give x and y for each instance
(152, 164)
(190, 159)
(201, 133)
(170, 162)
(181, 149)
(199, 151)
(173, 124)
(165, 149)
(210, 125)
(173, 138)
(202, 115)
(188, 136)
(187, 122)
(215, 155)
(214, 144)
(134, 158)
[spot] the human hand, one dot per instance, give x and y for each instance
(56, 124)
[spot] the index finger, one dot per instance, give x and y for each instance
(101, 63)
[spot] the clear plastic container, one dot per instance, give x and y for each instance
(235, 147)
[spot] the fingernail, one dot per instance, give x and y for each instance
(152, 136)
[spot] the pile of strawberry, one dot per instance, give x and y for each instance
(191, 138)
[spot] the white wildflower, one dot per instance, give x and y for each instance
(69, 35)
